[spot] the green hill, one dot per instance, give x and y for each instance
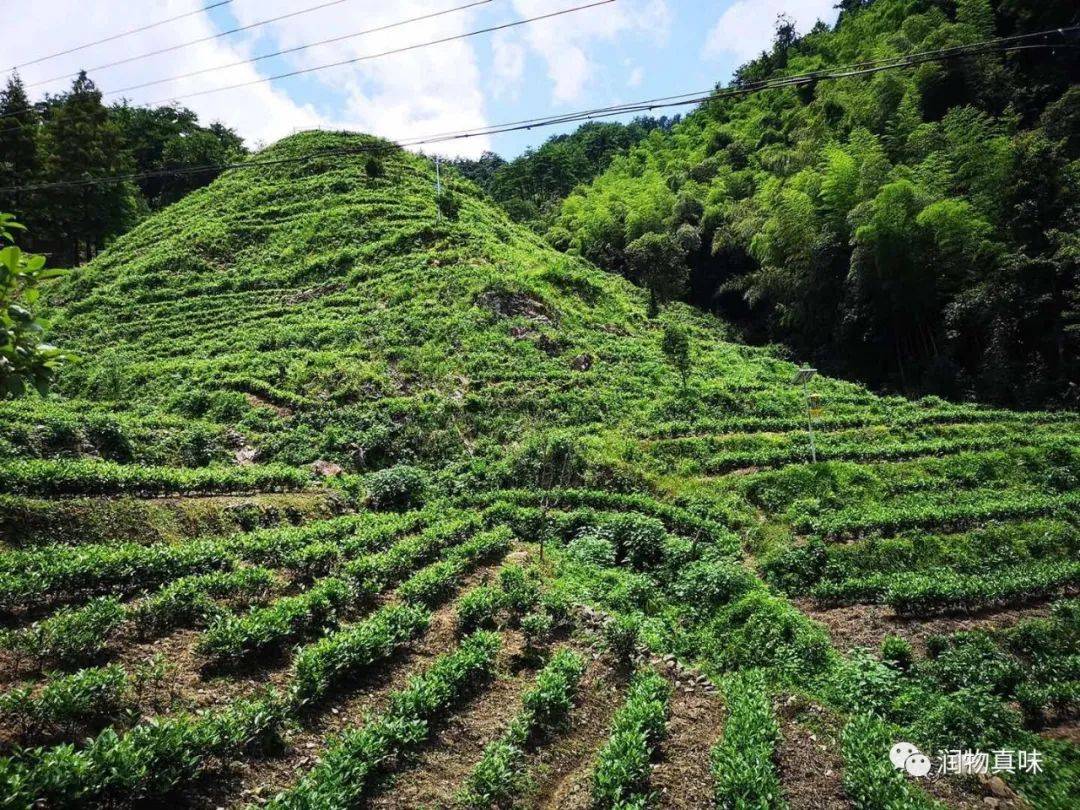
(217, 622)
(912, 228)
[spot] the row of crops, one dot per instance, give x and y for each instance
(311, 602)
(940, 548)
(328, 602)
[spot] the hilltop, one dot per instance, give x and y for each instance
(519, 457)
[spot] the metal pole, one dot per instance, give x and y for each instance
(810, 422)
(438, 188)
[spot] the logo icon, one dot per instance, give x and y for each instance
(906, 757)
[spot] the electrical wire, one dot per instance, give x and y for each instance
(283, 52)
(123, 34)
(172, 48)
(300, 71)
(783, 82)
(366, 57)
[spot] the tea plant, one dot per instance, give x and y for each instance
(621, 776)
(348, 652)
(232, 639)
(354, 760)
(743, 761)
(499, 776)
(71, 636)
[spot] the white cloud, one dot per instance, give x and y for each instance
(635, 77)
(563, 42)
(747, 27)
(426, 90)
(508, 57)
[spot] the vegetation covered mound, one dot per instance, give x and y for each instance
(535, 472)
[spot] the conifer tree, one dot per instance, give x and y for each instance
(19, 164)
(83, 143)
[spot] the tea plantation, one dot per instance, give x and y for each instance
(360, 497)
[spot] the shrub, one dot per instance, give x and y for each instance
(536, 628)
(499, 776)
(354, 759)
(970, 660)
(897, 652)
(705, 585)
(70, 637)
(621, 776)
(148, 761)
(479, 609)
(521, 590)
(85, 698)
(742, 762)
(232, 639)
(346, 653)
(870, 780)
(397, 488)
(639, 540)
(592, 548)
(970, 719)
(621, 635)
(191, 600)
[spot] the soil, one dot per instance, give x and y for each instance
(808, 757)
(867, 625)
(257, 781)
(256, 401)
(442, 766)
(682, 776)
(562, 768)
(1069, 732)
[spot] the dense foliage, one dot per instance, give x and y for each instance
(915, 228)
(74, 137)
(26, 361)
(531, 186)
(316, 338)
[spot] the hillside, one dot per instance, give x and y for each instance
(913, 229)
(549, 570)
(531, 186)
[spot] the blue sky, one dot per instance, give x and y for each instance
(623, 51)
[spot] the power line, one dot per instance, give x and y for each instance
(123, 34)
(256, 58)
(354, 60)
(783, 82)
(188, 44)
(369, 57)
(955, 51)
(855, 69)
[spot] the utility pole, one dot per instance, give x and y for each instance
(438, 188)
(803, 377)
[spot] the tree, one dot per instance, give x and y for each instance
(171, 137)
(19, 163)
(676, 346)
(82, 145)
(657, 261)
(25, 361)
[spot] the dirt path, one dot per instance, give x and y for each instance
(867, 625)
(443, 764)
(808, 757)
(682, 777)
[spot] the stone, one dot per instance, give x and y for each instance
(997, 787)
(583, 362)
(326, 469)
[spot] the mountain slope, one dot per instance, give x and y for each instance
(913, 228)
(518, 453)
